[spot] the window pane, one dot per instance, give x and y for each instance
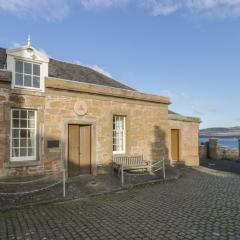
(15, 133)
(23, 133)
(31, 124)
(28, 68)
(30, 152)
(31, 134)
(19, 79)
(23, 123)
(23, 142)
(15, 152)
(36, 82)
(15, 123)
(31, 142)
(28, 80)
(23, 152)
(36, 69)
(19, 66)
(31, 115)
(24, 114)
(15, 113)
(15, 143)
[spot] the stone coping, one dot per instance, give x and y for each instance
(63, 84)
(69, 85)
(178, 117)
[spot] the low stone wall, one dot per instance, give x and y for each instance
(203, 150)
(213, 150)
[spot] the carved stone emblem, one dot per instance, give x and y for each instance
(80, 108)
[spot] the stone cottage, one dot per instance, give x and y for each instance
(55, 114)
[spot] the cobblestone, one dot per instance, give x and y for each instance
(203, 204)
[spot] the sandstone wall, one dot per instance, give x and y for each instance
(189, 131)
(146, 123)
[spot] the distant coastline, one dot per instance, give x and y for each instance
(233, 132)
(219, 136)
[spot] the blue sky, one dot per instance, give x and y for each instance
(188, 50)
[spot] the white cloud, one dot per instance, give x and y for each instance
(100, 70)
(103, 3)
(211, 8)
(96, 68)
(16, 44)
(167, 93)
(58, 9)
(47, 9)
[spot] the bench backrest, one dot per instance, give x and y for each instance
(128, 160)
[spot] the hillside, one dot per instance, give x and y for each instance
(220, 132)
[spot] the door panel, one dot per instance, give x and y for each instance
(175, 144)
(79, 150)
(73, 151)
(85, 149)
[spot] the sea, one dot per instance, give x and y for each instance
(228, 142)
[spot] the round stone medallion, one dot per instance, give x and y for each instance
(80, 108)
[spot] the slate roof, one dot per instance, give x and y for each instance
(74, 72)
(171, 112)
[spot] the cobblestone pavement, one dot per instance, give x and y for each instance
(76, 187)
(203, 204)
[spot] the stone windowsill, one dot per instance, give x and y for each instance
(22, 164)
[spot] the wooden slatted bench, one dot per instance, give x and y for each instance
(122, 163)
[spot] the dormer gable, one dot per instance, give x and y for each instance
(29, 67)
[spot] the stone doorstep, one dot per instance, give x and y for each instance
(173, 177)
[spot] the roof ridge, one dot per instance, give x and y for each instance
(68, 62)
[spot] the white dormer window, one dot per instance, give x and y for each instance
(27, 74)
(29, 67)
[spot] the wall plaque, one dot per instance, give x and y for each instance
(80, 108)
(53, 143)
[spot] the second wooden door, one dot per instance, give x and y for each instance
(175, 144)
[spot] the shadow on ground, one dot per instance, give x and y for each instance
(76, 187)
(222, 165)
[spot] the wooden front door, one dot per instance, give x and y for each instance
(79, 150)
(175, 144)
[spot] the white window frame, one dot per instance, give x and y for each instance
(23, 158)
(27, 87)
(124, 134)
